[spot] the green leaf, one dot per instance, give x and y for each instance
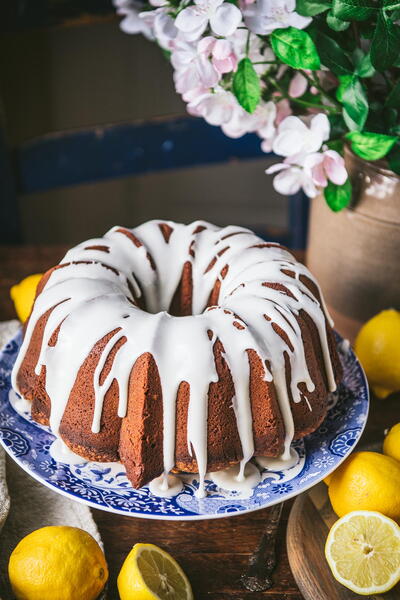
(385, 44)
(364, 67)
(394, 158)
(336, 145)
(310, 8)
(335, 23)
(393, 100)
(370, 146)
(356, 10)
(338, 196)
(352, 95)
(295, 48)
(391, 5)
(246, 85)
(338, 126)
(331, 54)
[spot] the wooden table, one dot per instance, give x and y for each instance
(213, 553)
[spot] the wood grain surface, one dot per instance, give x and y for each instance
(312, 512)
(213, 553)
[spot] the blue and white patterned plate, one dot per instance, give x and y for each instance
(105, 486)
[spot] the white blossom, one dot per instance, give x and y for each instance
(264, 16)
(221, 108)
(193, 70)
(292, 177)
(132, 23)
(294, 136)
(223, 18)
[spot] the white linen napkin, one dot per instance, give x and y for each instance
(26, 504)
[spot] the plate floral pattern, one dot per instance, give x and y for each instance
(105, 485)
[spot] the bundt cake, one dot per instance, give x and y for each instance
(178, 347)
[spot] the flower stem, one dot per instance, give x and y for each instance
(266, 62)
(304, 103)
(315, 83)
(248, 43)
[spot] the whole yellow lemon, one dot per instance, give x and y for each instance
(366, 481)
(378, 348)
(23, 295)
(391, 445)
(59, 562)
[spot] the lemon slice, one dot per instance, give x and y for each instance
(363, 552)
(150, 573)
(23, 295)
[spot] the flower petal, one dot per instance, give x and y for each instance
(287, 143)
(225, 20)
(334, 167)
(320, 124)
(296, 20)
(222, 49)
(191, 18)
(288, 182)
(206, 44)
(308, 186)
(277, 167)
(298, 85)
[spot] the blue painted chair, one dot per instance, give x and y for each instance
(113, 151)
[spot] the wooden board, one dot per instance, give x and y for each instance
(308, 526)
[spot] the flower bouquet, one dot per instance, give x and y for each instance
(308, 76)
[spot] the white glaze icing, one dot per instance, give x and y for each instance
(88, 299)
(233, 479)
(61, 453)
(19, 403)
(279, 463)
(166, 486)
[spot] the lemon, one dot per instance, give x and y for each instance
(363, 552)
(377, 346)
(23, 295)
(366, 481)
(391, 444)
(150, 573)
(57, 563)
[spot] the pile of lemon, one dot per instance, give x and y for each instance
(66, 563)
(363, 546)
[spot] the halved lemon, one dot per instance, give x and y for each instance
(363, 552)
(150, 573)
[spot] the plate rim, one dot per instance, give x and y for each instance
(196, 516)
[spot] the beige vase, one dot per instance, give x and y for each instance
(355, 254)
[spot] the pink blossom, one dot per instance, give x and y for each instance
(223, 58)
(283, 110)
(193, 71)
(298, 85)
(324, 166)
(308, 172)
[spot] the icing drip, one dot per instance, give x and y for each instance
(280, 463)
(233, 480)
(98, 287)
(166, 486)
(61, 453)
